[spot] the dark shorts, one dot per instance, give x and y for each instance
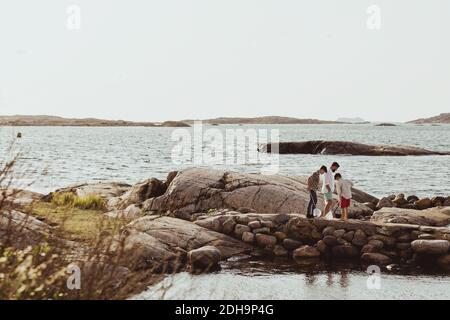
(345, 203)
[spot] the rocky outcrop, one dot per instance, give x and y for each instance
(155, 240)
(345, 147)
(18, 199)
(21, 230)
(199, 190)
(438, 217)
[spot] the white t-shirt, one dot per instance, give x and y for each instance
(344, 188)
(328, 179)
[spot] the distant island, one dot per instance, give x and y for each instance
(442, 118)
(43, 120)
(356, 120)
(263, 120)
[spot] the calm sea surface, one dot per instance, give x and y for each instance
(59, 156)
(274, 281)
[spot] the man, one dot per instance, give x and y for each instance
(313, 187)
(328, 188)
(344, 191)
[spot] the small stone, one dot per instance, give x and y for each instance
(437, 201)
(316, 235)
(377, 244)
(330, 241)
(400, 200)
(280, 251)
(239, 229)
(248, 237)
(431, 247)
(424, 203)
(280, 235)
(412, 199)
(385, 203)
(322, 247)
(328, 231)
(265, 240)
(228, 226)
(349, 236)
(387, 240)
(376, 258)
(291, 244)
(306, 252)
(268, 224)
(342, 241)
(368, 249)
(339, 233)
(264, 230)
(254, 224)
(426, 236)
(204, 258)
(282, 218)
(360, 238)
(345, 251)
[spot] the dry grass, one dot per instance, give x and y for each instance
(74, 223)
(89, 202)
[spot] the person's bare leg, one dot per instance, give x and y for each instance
(345, 213)
(327, 208)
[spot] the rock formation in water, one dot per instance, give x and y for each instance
(346, 148)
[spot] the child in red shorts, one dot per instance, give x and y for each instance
(344, 191)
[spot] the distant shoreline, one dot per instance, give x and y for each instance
(53, 121)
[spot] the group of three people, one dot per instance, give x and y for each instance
(330, 183)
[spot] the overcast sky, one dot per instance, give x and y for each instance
(175, 59)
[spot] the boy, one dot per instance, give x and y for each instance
(344, 191)
(313, 187)
(328, 188)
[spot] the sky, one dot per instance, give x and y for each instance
(154, 60)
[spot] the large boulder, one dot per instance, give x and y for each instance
(438, 217)
(430, 247)
(185, 235)
(198, 190)
(204, 259)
